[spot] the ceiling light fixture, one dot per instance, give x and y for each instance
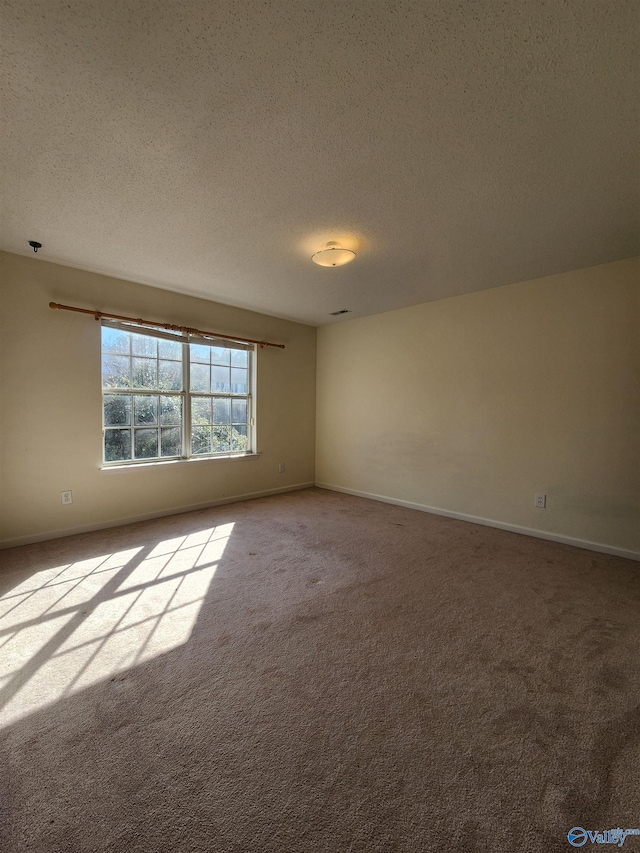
(333, 256)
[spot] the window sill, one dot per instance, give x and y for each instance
(136, 466)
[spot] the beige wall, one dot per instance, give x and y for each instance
(50, 415)
(471, 404)
(474, 404)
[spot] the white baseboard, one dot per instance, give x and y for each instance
(119, 522)
(490, 522)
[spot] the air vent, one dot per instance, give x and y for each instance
(342, 311)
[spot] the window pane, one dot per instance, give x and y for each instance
(117, 445)
(170, 375)
(144, 345)
(239, 358)
(200, 439)
(221, 439)
(200, 378)
(239, 438)
(115, 371)
(239, 411)
(220, 379)
(221, 411)
(115, 341)
(117, 410)
(146, 426)
(144, 373)
(238, 380)
(199, 353)
(170, 410)
(170, 349)
(201, 410)
(146, 443)
(220, 355)
(171, 441)
(145, 411)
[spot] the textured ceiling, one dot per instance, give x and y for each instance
(211, 148)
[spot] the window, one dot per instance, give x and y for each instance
(166, 396)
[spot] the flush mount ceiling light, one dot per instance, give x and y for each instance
(333, 256)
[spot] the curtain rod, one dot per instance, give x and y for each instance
(169, 326)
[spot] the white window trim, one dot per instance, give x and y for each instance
(163, 463)
(187, 458)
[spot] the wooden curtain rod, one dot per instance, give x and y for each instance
(169, 326)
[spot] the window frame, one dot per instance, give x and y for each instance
(185, 394)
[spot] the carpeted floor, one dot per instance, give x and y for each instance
(316, 672)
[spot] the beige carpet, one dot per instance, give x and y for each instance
(316, 672)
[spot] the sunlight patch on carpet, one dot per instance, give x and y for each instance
(78, 624)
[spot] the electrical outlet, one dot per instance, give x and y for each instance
(280, 467)
(66, 497)
(541, 501)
